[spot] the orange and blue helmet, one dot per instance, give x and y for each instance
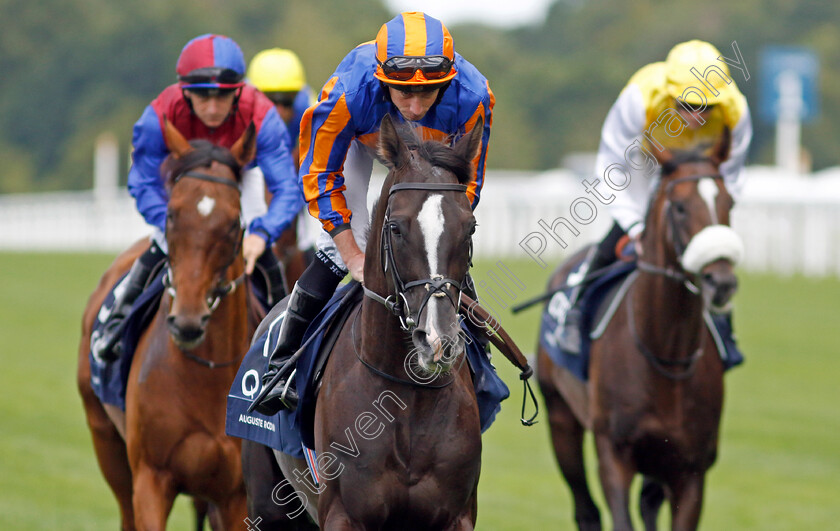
(211, 62)
(414, 49)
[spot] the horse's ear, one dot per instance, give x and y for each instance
(392, 149)
(721, 149)
(469, 146)
(175, 141)
(245, 149)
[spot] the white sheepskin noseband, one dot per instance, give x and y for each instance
(712, 243)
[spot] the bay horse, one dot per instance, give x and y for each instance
(655, 391)
(396, 426)
(171, 437)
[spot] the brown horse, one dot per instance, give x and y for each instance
(655, 391)
(171, 438)
(396, 424)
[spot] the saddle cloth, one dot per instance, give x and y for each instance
(110, 378)
(292, 431)
(598, 303)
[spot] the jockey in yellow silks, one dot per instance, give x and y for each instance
(683, 103)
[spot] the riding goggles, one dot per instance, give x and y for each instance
(212, 77)
(695, 108)
(285, 99)
(403, 68)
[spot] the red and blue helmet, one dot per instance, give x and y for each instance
(414, 49)
(211, 62)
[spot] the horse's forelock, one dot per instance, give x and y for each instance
(203, 154)
(437, 154)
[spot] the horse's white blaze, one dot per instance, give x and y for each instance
(431, 225)
(205, 206)
(709, 191)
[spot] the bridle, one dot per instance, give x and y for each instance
(436, 286)
(678, 369)
(677, 275)
(223, 288)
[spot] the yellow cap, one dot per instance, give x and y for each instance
(699, 55)
(276, 70)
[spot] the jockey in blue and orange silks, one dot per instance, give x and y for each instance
(210, 101)
(412, 72)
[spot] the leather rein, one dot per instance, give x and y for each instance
(684, 366)
(438, 286)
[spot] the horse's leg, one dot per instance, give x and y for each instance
(650, 500)
(154, 494)
(200, 508)
(206, 511)
(335, 517)
(233, 513)
(567, 437)
(616, 473)
(687, 501)
(108, 445)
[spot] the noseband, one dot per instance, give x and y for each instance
(437, 285)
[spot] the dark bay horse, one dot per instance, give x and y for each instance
(171, 438)
(655, 391)
(396, 424)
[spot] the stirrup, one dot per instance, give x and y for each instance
(290, 400)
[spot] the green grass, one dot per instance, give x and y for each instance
(779, 454)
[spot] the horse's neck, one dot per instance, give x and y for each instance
(668, 317)
(383, 343)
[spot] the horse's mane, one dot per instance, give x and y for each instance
(203, 154)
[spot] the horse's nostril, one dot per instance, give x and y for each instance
(419, 336)
(204, 319)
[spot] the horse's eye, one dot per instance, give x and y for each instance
(679, 208)
(395, 229)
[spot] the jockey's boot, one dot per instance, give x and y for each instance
(274, 276)
(108, 346)
(309, 296)
(598, 258)
(569, 337)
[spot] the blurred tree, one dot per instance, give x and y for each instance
(73, 68)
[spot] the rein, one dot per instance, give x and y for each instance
(687, 365)
(390, 378)
(438, 286)
(502, 341)
(222, 290)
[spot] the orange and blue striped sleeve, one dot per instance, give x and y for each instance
(485, 109)
(326, 133)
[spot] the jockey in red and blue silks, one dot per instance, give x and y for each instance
(210, 101)
(411, 71)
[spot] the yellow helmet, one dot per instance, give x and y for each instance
(699, 55)
(276, 70)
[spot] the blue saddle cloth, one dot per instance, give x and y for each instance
(591, 301)
(289, 431)
(110, 378)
